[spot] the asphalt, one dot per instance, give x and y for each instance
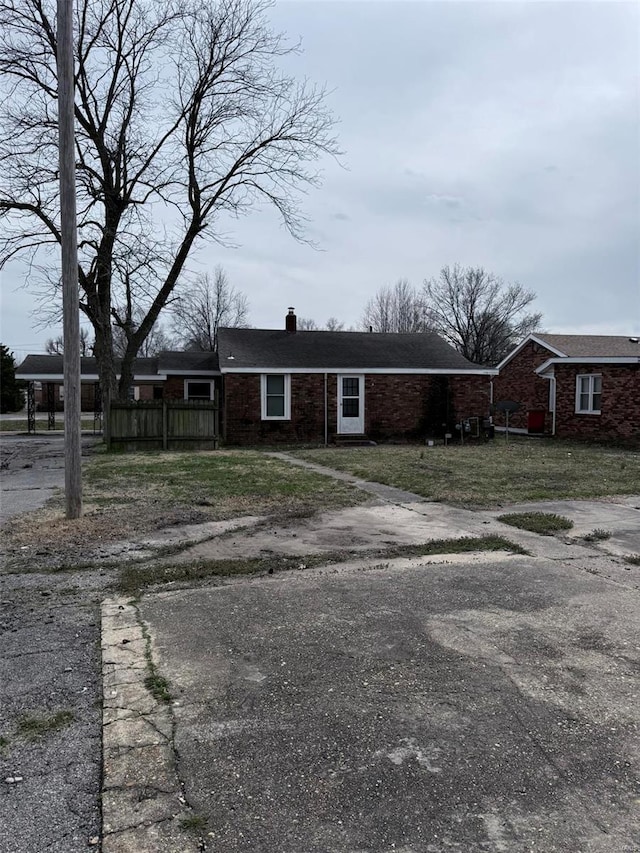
(32, 470)
(50, 678)
(481, 702)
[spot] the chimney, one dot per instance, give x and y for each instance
(290, 322)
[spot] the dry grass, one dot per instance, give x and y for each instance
(494, 473)
(129, 495)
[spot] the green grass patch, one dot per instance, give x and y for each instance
(32, 726)
(546, 523)
(136, 578)
(493, 473)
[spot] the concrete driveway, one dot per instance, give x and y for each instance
(422, 706)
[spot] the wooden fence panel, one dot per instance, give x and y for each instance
(165, 424)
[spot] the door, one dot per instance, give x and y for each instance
(350, 405)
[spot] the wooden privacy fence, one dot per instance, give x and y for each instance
(164, 425)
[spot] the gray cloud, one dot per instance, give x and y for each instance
(503, 134)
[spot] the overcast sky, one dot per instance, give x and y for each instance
(503, 135)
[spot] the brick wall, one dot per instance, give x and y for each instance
(395, 406)
(619, 417)
(518, 381)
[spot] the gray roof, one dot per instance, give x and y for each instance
(169, 362)
(52, 365)
(278, 349)
(590, 346)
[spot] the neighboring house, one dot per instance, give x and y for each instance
(573, 386)
(46, 371)
(288, 385)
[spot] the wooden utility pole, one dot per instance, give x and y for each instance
(68, 229)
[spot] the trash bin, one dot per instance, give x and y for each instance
(535, 421)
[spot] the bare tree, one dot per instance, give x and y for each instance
(306, 324)
(55, 346)
(478, 313)
(182, 118)
(206, 306)
(395, 309)
(334, 325)
(156, 341)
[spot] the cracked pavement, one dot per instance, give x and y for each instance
(479, 702)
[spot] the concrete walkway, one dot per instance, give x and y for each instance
(480, 702)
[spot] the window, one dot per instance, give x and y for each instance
(198, 390)
(276, 397)
(588, 393)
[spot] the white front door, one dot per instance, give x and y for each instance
(350, 405)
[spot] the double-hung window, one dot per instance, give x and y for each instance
(588, 393)
(276, 396)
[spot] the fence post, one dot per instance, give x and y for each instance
(216, 419)
(165, 425)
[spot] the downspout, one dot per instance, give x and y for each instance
(552, 379)
(326, 412)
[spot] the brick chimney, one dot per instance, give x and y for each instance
(290, 322)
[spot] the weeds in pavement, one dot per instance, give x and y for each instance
(597, 535)
(134, 578)
(33, 726)
(545, 523)
(158, 686)
(194, 823)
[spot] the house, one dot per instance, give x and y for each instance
(573, 386)
(287, 385)
(46, 374)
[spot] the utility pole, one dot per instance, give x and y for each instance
(68, 229)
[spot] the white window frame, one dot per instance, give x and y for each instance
(287, 397)
(591, 377)
(209, 382)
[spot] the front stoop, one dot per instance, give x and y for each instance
(361, 440)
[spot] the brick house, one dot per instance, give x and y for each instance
(288, 385)
(46, 372)
(573, 386)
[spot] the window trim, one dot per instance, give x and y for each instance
(287, 397)
(209, 382)
(590, 392)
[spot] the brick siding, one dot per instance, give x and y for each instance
(518, 381)
(396, 406)
(619, 416)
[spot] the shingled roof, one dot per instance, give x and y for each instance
(44, 366)
(591, 346)
(188, 362)
(265, 349)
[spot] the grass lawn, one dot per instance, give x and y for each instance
(494, 473)
(223, 484)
